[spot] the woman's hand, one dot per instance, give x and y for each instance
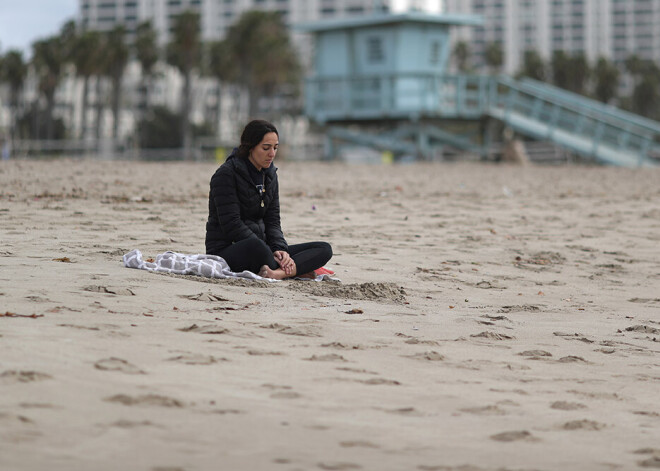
(285, 261)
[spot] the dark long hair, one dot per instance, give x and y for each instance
(253, 134)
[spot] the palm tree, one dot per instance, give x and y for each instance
(560, 65)
(259, 55)
(218, 66)
(606, 75)
(13, 73)
(462, 55)
(116, 58)
(579, 73)
(494, 56)
(635, 65)
(646, 95)
(48, 60)
(533, 66)
(100, 67)
(184, 52)
(85, 58)
(146, 51)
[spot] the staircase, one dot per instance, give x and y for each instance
(416, 107)
(573, 122)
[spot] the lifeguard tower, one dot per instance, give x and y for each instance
(382, 81)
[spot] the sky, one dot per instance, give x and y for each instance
(24, 21)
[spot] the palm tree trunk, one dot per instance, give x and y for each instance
(116, 99)
(99, 111)
(50, 106)
(218, 110)
(85, 105)
(185, 118)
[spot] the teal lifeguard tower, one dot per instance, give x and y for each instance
(382, 81)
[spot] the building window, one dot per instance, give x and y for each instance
(375, 52)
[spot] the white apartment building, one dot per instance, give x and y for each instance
(635, 28)
(599, 28)
(218, 15)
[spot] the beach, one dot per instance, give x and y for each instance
(488, 317)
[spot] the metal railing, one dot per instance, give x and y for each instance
(532, 108)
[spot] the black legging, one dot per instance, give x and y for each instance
(252, 254)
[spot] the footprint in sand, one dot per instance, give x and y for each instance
(514, 436)
(573, 359)
(14, 418)
(535, 354)
(338, 466)
(416, 341)
(282, 391)
(565, 405)
(208, 297)
(357, 444)
(582, 425)
(130, 424)
(380, 381)
(109, 290)
(405, 411)
(145, 400)
(517, 308)
(285, 395)
(117, 364)
(645, 300)
(357, 370)
(644, 329)
(14, 376)
(343, 346)
(484, 410)
(328, 357)
(16, 428)
(431, 355)
(206, 329)
(492, 336)
(288, 330)
(196, 359)
(264, 353)
(653, 461)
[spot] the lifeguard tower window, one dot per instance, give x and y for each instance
(435, 52)
(375, 52)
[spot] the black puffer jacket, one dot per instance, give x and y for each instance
(235, 211)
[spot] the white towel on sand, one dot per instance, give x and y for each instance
(209, 266)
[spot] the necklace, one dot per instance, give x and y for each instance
(262, 190)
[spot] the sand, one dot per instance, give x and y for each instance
(489, 317)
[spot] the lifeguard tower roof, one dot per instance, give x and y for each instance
(384, 19)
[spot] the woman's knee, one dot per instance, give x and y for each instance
(326, 250)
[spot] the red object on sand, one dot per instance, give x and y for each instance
(323, 271)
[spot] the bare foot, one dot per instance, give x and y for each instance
(267, 272)
(311, 275)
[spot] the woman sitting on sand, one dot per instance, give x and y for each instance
(244, 213)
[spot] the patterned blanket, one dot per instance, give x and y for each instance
(209, 266)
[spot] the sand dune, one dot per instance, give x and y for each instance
(489, 317)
